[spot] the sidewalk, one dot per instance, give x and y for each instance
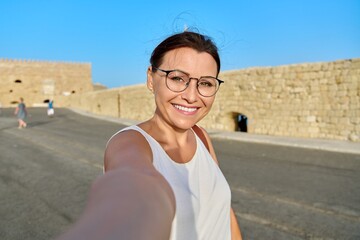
(309, 143)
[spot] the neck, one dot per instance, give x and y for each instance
(165, 133)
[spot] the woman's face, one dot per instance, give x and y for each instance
(182, 110)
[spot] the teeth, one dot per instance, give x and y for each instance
(186, 109)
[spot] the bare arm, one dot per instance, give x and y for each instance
(130, 201)
(122, 206)
(235, 229)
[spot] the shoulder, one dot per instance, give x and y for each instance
(207, 141)
(203, 135)
(206, 134)
(128, 148)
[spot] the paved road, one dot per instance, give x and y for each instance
(278, 192)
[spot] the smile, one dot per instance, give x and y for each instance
(185, 109)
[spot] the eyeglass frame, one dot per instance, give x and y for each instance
(167, 72)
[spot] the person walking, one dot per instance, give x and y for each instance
(21, 114)
(162, 179)
(50, 110)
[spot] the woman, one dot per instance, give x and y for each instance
(161, 177)
(21, 113)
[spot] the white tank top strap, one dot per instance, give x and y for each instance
(154, 145)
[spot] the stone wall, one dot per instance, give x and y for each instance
(38, 81)
(317, 100)
(133, 102)
(313, 100)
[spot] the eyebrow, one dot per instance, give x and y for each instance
(181, 71)
(190, 74)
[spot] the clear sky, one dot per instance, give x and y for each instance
(117, 37)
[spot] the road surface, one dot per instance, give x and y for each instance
(278, 192)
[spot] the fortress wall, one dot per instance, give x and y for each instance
(37, 81)
(136, 103)
(133, 102)
(318, 100)
(313, 100)
(103, 102)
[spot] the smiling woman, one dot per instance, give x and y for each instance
(162, 179)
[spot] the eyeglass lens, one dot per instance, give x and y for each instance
(178, 81)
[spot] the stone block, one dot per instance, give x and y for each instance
(311, 118)
(354, 137)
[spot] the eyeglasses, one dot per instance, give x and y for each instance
(178, 81)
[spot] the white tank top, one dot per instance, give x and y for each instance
(203, 196)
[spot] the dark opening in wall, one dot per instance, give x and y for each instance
(46, 101)
(242, 122)
(11, 90)
(73, 91)
(18, 81)
(14, 102)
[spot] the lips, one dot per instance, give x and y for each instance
(185, 109)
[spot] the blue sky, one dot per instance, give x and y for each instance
(117, 37)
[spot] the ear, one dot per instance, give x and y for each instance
(149, 81)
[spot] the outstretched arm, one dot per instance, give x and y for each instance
(130, 201)
(124, 204)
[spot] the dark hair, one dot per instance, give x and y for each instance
(196, 41)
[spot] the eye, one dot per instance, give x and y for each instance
(177, 76)
(207, 82)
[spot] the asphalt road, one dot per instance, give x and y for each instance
(281, 193)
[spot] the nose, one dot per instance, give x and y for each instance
(191, 93)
